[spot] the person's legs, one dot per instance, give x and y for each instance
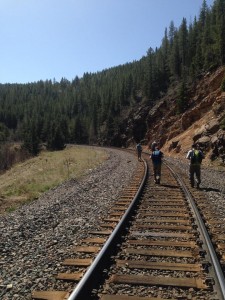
(158, 172)
(198, 174)
(154, 171)
(191, 175)
(139, 155)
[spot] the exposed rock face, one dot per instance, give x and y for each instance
(132, 129)
(200, 123)
(159, 121)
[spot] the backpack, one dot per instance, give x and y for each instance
(156, 156)
(153, 146)
(196, 157)
(139, 148)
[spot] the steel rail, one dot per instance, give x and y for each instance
(86, 284)
(215, 262)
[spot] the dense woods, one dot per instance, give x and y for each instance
(90, 110)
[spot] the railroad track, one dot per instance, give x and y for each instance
(150, 246)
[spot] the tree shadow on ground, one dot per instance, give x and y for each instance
(170, 186)
(209, 189)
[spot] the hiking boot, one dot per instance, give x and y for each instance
(198, 185)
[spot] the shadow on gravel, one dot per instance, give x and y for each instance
(209, 190)
(170, 186)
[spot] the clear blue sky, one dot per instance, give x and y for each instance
(46, 39)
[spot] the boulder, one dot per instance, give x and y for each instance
(212, 127)
(204, 140)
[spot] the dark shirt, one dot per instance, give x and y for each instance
(157, 156)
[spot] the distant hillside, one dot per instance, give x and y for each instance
(161, 96)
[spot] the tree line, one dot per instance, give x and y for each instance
(89, 110)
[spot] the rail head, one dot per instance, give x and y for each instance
(88, 281)
(213, 256)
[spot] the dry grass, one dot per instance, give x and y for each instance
(26, 181)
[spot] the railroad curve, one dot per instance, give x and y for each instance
(161, 251)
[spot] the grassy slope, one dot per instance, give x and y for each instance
(26, 181)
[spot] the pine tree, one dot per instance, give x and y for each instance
(56, 139)
(183, 46)
(220, 5)
(182, 98)
(31, 140)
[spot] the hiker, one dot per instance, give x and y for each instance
(195, 155)
(139, 151)
(156, 157)
(153, 145)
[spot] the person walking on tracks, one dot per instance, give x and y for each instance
(156, 157)
(153, 145)
(195, 155)
(139, 151)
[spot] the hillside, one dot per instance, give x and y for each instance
(199, 123)
(171, 94)
(28, 180)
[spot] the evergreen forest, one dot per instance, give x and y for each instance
(90, 110)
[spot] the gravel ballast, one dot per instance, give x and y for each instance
(34, 238)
